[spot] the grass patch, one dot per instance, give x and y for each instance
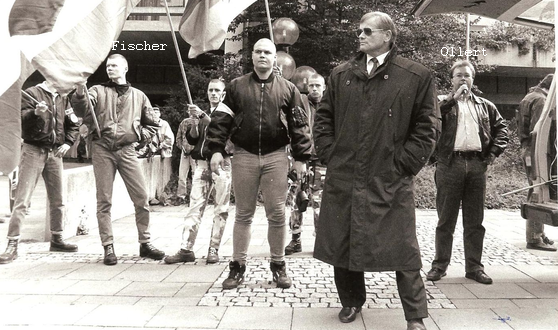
(505, 175)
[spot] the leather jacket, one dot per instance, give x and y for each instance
(58, 126)
(264, 116)
(493, 131)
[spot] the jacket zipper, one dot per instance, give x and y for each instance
(115, 123)
(260, 128)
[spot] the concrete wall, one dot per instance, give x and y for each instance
(510, 57)
(80, 194)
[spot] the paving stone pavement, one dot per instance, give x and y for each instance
(313, 284)
(45, 290)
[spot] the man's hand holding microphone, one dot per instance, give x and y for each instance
(461, 92)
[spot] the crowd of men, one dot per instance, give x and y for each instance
(374, 126)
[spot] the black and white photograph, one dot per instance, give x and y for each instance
(278, 164)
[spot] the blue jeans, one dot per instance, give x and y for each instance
(105, 164)
(34, 162)
(463, 182)
(250, 173)
(198, 197)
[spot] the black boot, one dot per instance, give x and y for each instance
(110, 256)
(236, 275)
(57, 244)
(294, 246)
(11, 252)
(147, 250)
(280, 276)
(181, 256)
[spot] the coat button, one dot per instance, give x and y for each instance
(348, 82)
(386, 76)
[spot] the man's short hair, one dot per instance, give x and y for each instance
(547, 81)
(461, 64)
(317, 76)
(120, 56)
(384, 22)
(219, 81)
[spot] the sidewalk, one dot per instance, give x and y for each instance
(46, 290)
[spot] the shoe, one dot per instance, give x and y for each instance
(541, 245)
(110, 256)
(212, 256)
(280, 274)
(348, 314)
(147, 250)
(2, 220)
(57, 244)
(547, 240)
(293, 247)
(479, 276)
(435, 274)
(236, 275)
(181, 256)
(415, 324)
(11, 252)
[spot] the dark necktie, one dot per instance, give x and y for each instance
(375, 65)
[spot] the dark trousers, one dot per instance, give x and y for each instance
(463, 182)
(352, 291)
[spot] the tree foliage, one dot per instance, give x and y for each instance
(327, 35)
(501, 34)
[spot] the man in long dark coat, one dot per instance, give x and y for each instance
(375, 129)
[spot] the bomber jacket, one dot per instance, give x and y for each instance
(200, 149)
(58, 126)
(493, 130)
(264, 116)
(123, 119)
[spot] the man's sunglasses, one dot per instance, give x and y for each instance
(367, 31)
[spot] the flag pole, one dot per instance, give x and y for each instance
(93, 114)
(178, 55)
(32, 98)
(270, 28)
(269, 20)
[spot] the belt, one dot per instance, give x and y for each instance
(468, 154)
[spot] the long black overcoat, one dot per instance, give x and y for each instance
(374, 134)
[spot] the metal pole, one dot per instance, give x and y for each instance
(269, 20)
(178, 55)
(468, 38)
(93, 115)
(529, 187)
